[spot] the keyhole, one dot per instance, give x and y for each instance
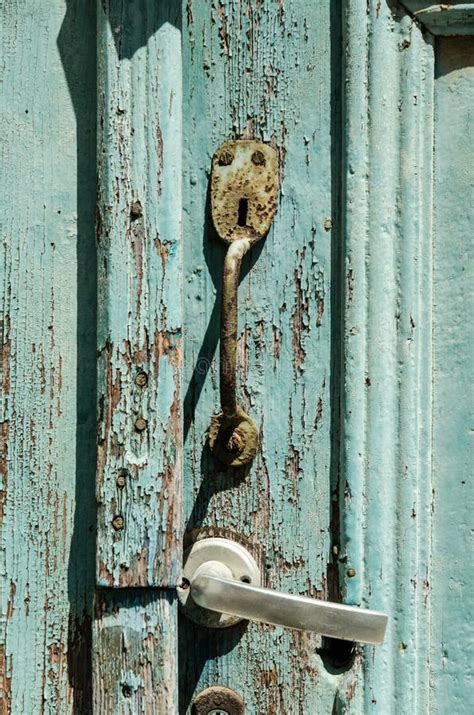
(218, 712)
(243, 208)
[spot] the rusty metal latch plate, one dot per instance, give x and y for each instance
(244, 189)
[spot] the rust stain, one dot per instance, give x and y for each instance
(320, 311)
(4, 432)
(277, 338)
(5, 682)
(223, 33)
(11, 600)
(300, 322)
(5, 366)
(163, 250)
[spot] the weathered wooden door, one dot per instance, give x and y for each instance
(354, 350)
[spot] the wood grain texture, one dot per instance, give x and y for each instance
(136, 646)
(262, 70)
(140, 295)
(47, 316)
(386, 491)
(451, 663)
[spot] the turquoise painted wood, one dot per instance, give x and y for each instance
(48, 342)
(354, 354)
(262, 71)
(452, 668)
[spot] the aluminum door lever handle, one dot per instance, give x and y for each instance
(281, 609)
(221, 584)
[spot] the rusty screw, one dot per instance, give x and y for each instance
(140, 424)
(118, 522)
(225, 158)
(141, 379)
(258, 158)
(351, 573)
(121, 480)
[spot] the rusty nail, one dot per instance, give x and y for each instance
(127, 690)
(140, 424)
(351, 573)
(258, 158)
(136, 209)
(141, 379)
(226, 158)
(121, 480)
(118, 522)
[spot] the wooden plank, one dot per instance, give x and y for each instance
(452, 671)
(47, 274)
(136, 644)
(386, 484)
(263, 70)
(140, 295)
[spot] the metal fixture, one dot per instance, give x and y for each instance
(222, 584)
(218, 700)
(244, 188)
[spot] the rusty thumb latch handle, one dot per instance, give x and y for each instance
(244, 187)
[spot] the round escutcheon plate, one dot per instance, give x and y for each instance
(235, 557)
(218, 701)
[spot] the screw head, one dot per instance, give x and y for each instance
(121, 480)
(140, 424)
(351, 573)
(226, 158)
(235, 443)
(118, 522)
(258, 158)
(141, 379)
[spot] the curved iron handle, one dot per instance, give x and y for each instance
(244, 187)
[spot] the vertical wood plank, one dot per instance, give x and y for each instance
(140, 294)
(451, 666)
(262, 70)
(136, 645)
(47, 421)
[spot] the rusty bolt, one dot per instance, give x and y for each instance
(258, 158)
(351, 573)
(141, 379)
(235, 443)
(140, 424)
(118, 522)
(136, 209)
(121, 480)
(225, 158)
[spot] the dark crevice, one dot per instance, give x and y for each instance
(337, 655)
